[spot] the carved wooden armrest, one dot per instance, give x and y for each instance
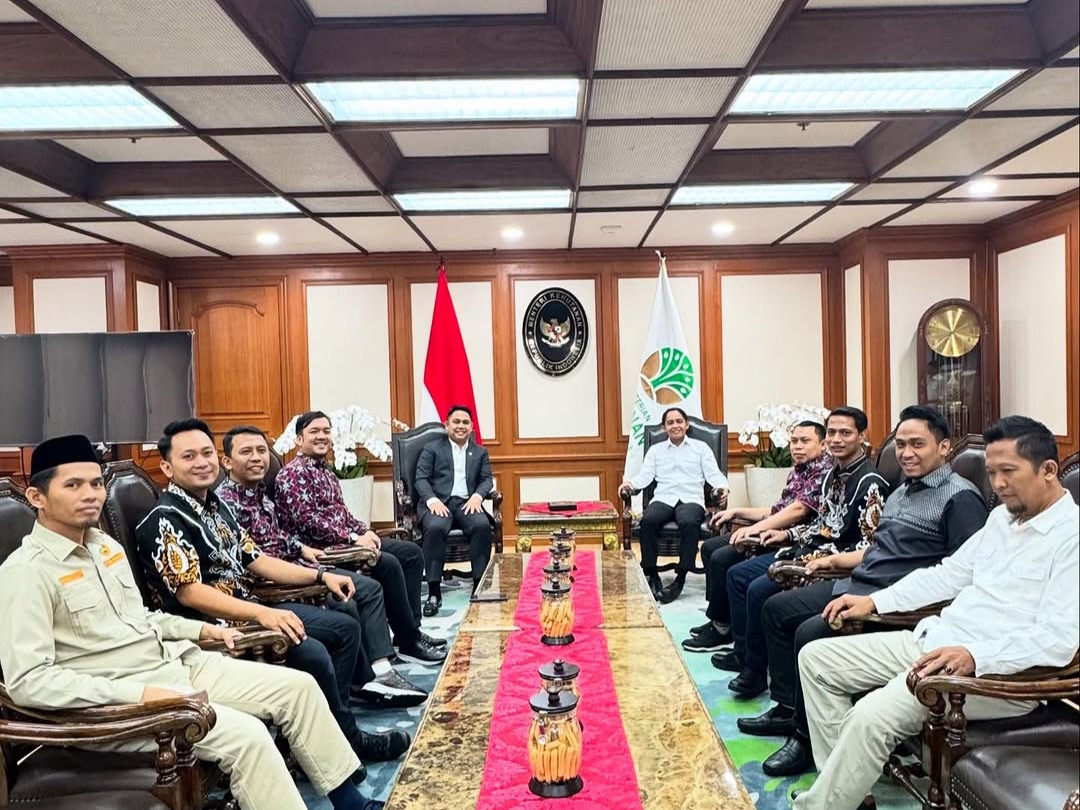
(392, 533)
(751, 546)
(739, 522)
(261, 642)
(196, 704)
(1036, 683)
(496, 498)
(359, 557)
(902, 618)
(791, 574)
(718, 498)
(275, 594)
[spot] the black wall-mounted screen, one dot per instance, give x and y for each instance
(114, 387)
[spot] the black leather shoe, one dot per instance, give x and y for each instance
(655, 585)
(419, 651)
(701, 628)
(793, 757)
(434, 642)
(383, 747)
(671, 592)
(727, 660)
(359, 775)
(748, 684)
(778, 721)
(431, 606)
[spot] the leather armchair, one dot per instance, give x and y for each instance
(406, 447)
(59, 775)
(975, 761)
(716, 437)
(1070, 477)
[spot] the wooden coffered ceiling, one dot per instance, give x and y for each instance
(659, 78)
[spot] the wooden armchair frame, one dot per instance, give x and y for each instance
(175, 726)
(943, 735)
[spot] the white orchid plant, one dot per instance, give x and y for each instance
(354, 432)
(769, 433)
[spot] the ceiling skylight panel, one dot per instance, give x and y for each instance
(78, 107)
(868, 91)
(449, 99)
(503, 200)
(735, 194)
(201, 206)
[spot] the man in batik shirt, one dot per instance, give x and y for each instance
(310, 507)
(852, 497)
(799, 503)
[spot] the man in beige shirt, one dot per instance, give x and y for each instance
(84, 638)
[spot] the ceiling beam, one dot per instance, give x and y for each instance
(478, 172)
(379, 152)
(920, 37)
(778, 166)
(437, 51)
(203, 178)
(32, 54)
(48, 163)
(1056, 24)
(280, 25)
(895, 140)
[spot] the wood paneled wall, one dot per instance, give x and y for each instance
(250, 316)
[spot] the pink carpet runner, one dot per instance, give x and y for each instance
(607, 768)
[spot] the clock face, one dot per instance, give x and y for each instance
(953, 331)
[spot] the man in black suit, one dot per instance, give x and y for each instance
(453, 476)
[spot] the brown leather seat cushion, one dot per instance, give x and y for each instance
(65, 771)
(1007, 777)
(112, 800)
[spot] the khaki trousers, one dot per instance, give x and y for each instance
(852, 743)
(245, 693)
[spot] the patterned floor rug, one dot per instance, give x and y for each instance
(747, 752)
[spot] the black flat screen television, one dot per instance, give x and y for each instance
(114, 387)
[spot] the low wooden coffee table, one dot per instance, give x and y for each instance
(600, 523)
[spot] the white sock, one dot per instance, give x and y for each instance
(381, 667)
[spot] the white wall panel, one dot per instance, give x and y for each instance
(853, 335)
(635, 308)
(382, 502)
(1032, 327)
(472, 303)
(349, 348)
(737, 495)
(7, 310)
(70, 305)
(563, 406)
(915, 285)
(559, 488)
(772, 342)
(147, 306)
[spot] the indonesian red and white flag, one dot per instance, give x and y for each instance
(447, 379)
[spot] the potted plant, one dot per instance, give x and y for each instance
(355, 435)
(769, 434)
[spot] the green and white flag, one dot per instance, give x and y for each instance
(667, 376)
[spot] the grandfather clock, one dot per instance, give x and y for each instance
(952, 365)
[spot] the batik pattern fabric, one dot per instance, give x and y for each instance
(184, 541)
(852, 501)
(310, 505)
(804, 484)
(257, 515)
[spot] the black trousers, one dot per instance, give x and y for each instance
(688, 516)
(475, 527)
(784, 617)
(400, 570)
(717, 556)
(368, 609)
(328, 654)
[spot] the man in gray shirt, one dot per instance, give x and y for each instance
(925, 520)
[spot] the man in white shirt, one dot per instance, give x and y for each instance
(453, 476)
(681, 467)
(1015, 591)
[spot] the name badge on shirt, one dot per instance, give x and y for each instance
(114, 559)
(74, 576)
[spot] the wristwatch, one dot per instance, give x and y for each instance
(319, 574)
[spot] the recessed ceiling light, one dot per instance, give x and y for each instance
(512, 233)
(201, 206)
(983, 187)
(484, 200)
(45, 108)
(758, 193)
(723, 229)
(872, 91)
(267, 238)
(449, 99)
